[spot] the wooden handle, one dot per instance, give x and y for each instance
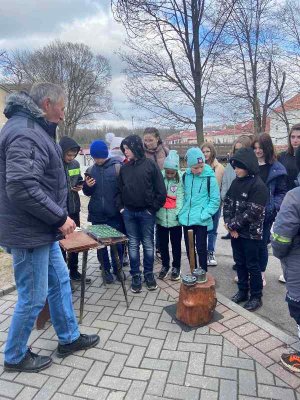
(191, 250)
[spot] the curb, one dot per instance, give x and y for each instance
(7, 289)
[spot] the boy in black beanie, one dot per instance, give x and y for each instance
(244, 211)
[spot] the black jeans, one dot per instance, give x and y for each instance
(72, 261)
(246, 257)
(263, 246)
(175, 235)
(200, 238)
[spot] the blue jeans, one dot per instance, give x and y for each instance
(139, 227)
(116, 223)
(212, 234)
(40, 272)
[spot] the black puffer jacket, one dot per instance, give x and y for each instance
(245, 201)
(73, 174)
(33, 190)
(141, 184)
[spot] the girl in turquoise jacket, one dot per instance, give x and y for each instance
(168, 226)
(201, 202)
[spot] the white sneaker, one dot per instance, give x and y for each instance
(263, 279)
(281, 279)
(211, 259)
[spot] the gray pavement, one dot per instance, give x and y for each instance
(145, 354)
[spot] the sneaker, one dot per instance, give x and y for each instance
(211, 259)
(253, 304)
(234, 267)
(263, 279)
(109, 279)
(163, 273)
(76, 276)
(30, 363)
(291, 361)
(226, 237)
(136, 284)
(175, 274)
(84, 342)
(117, 276)
(150, 281)
(281, 279)
(239, 297)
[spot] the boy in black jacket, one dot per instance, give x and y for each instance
(70, 150)
(141, 193)
(244, 211)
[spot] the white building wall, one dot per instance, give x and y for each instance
(278, 130)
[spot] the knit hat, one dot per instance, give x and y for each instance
(238, 164)
(98, 149)
(297, 156)
(172, 160)
(113, 141)
(194, 156)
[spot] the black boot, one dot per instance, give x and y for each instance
(31, 363)
(239, 297)
(253, 304)
(84, 342)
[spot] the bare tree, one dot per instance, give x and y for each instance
(251, 73)
(85, 77)
(171, 55)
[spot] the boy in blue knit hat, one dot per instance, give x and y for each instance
(201, 202)
(101, 186)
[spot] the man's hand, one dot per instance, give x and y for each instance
(77, 188)
(68, 227)
(90, 181)
(234, 234)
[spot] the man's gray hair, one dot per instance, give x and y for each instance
(42, 90)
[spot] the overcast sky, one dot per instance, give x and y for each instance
(31, 24)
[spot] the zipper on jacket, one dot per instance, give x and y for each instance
(166, 208)
(32, 157)
(190, 200)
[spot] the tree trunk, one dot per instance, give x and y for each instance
(199, 124)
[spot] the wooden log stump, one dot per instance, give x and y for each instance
(197, 303)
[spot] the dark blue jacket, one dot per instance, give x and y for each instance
(277, 188)
(33, 189)
(102, 205)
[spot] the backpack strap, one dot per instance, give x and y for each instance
(208, 186)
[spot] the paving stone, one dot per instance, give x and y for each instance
(208, 395)
(192, 347)
(202, 382)
(171, 341)
(196, 363)
(104, 324)
(177, 372)
(91, 392)
(152, 320)
(154, 348)
(10, 389)
(263, 375)
(78, 362)
(160, 365)
(73, 381)
(167, 326)
(181, 392)
(287, 377)
(209, 339)
(116, 395)
(35, 380)
(118, 347)
(49, 389)
(154, 333)
(157, 383)
(229, 349)
(228, 390)
(58, 371)
(115, 383)
(187, 336)
(216, 326)
(136, 314)
(135, 357)
(235, 339)
(136, 340)
(268, 344)
(174, 355)
(136, 391)
(119, 332)
(275, 393)
(258, 356)
(95, 373)
(220, 372)
(246, 329)
(257, 336)
(214, 354)
(276, 353)
(150, 298)
(136, 326)
(27, 393)
(121, 319)
(116, 365)
(236, 362)
(136, 373)
(247, 383)
(235, 322)
(61, 396)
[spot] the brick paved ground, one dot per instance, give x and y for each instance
(144, 354)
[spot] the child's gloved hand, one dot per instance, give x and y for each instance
(90, 181)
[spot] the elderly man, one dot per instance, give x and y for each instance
(33, 216)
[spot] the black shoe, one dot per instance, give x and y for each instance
(109, 279)
(226, 237)
(175, 274)
(76, 276)
(84, 342)
(150, 281)
(253, 304)
(234, 267)
(117, 276)
(31, 363)
(239, 297)
(163, 273)
(136, 284)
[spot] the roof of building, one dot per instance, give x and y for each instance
(289, 105)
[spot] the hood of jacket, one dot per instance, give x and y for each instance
(276, 170)
(247, 157)
(135, 144)
(21, 103)
(67, 143)
(207, 171)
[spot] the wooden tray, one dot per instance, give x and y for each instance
(77, 242)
